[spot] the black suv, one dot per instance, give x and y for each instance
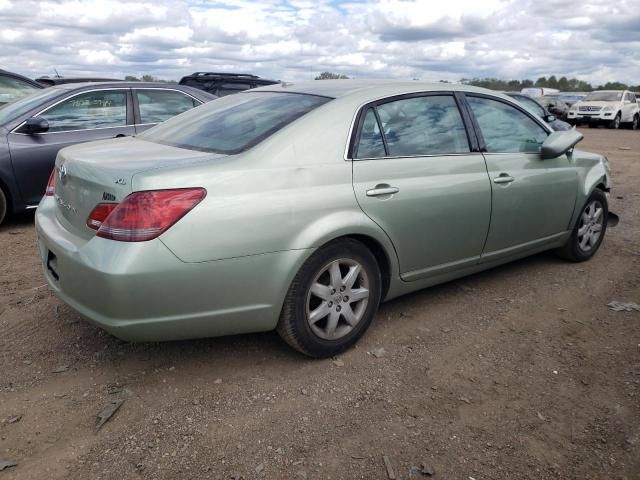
(222, 84)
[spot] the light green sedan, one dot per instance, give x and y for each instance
(300, 207)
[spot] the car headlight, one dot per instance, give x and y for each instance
(608, 108)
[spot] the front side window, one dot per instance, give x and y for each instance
(233, 123)
(100, 109)
(158, 105)
(505, 128)
(531, 105)
(428, 125)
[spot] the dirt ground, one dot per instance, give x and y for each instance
(518, 372)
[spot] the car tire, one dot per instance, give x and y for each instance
(634, 123)
(615, 123)
(325, 287)
(4, 206)
(588, 233)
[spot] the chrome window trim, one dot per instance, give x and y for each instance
(463, 154)
(99, 128)
(64, 100)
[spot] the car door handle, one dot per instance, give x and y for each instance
(382, 190)
(503, 178)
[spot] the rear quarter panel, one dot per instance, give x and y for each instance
(291, 192)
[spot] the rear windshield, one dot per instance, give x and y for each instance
(603, 97)
(235, 123)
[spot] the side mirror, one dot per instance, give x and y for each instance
(549, 118)
(558, 143)
(35, 125)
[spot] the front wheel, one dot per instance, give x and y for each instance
(615, 123)
(3, 206)
(332, 300)
(634, 124)
(589, 231)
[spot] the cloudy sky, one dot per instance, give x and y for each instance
(593, 40)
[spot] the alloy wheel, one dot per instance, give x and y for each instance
(337, 299)
(590, 228)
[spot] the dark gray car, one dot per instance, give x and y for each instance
(34, 128)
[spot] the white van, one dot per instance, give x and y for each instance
(536, 92)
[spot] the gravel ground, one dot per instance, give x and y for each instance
(518, 372)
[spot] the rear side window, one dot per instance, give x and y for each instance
(158, 105)
(505, 128)
(234, 123)
(371, 144)
(427, 125)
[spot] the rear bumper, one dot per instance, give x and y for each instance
(143, 292)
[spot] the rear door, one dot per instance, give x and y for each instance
(82, 117)
(533, 199)
(153, 106)
(415, 175)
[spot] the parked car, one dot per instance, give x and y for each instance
(571, 97)
(33, 129)
(539, 91)
(537, 109)
(51, 81)
(613, 108)
(554, 106)
(300, 207)
(14, 87)
(223, 84)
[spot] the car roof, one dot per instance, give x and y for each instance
(117, 84)
(343, 88)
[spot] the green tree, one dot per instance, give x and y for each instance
(541, 82)
(131, 78)
(331, 76)
(149, 78)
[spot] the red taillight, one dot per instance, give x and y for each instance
(99, 214)
(51, 184)
(146, 215)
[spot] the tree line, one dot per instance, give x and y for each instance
(563, 84)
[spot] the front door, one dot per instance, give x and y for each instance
(533, 199)
(94, 115)
(414, 174)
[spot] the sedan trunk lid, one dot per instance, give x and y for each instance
(91, 173)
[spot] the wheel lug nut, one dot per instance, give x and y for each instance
(331, 304)
(346, 299)
(338, 308)
(342, 289)
(333, 290)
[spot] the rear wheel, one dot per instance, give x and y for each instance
(634, 123)
(332, 300)
(589, 231)
(4, 206)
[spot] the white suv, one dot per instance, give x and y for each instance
(606, 107)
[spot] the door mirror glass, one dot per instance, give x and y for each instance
(558, 143)
(549, 118)
(35, 125)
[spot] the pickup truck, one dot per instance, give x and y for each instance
(613, 108)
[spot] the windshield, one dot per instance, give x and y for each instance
(20, 107)
(603, 97)
(11, 89)
(234, 123)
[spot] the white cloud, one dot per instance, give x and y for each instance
(296, 39)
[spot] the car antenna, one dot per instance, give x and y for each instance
(57, 74)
